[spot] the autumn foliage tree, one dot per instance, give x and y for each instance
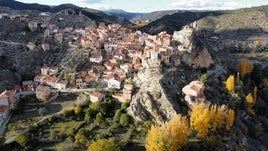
(104, 145)
(251, 101)
(171, 136)
(80, 139)
(244, 67)
(230, 83)
(207, 118)
(22, 139)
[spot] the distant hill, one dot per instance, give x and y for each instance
(22, 6)
(152, 16)
(124, 14)
(96, 15)
(246, 18)
(177, 20)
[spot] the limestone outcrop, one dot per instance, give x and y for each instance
(150, 101)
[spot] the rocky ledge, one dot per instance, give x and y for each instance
(150, 101)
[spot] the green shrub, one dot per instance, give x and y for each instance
(117, 115)
(124, 120)
(99, 121)
(22, 139)
(125, 105)
(65, 147)
(2, 140)
(67, 113)
(104, 145)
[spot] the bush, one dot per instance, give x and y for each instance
(117, 115)
(22, 139)
(124, 120)
(104, 145)
(171, 136)
(80, 140)
(265, 124)
(32, 128)
(99, 121)
(52, 135)
(2, 140)
(147, 124)
(42, 111)
(65, 147)
(66, 113)
(12, 127)
(125, 105)
(52, 118)
(90, 114)
(192, 146)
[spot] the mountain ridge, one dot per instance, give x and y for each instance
(122, 13)
(96, 15)
(244, 18)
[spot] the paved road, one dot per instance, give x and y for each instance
(17, 95)
(77, 90)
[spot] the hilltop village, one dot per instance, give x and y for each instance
(116, 52)
(80, 79)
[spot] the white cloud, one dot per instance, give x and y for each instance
(94, 4)
(87, 1)
(204, 4)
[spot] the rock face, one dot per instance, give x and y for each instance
(201, 59)
(193, 52)
(42, 93)
(184, 36)
(150, 101)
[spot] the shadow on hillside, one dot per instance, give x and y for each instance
(243, 34)
(239, 40)
(175, 22)
(172, 83)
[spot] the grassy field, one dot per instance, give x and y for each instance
(17, 126)
(20, 122)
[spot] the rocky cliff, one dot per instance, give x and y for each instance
(151, 102)
(159, 92)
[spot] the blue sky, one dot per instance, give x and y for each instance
(154, 5)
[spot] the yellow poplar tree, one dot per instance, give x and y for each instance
(200, 119)
(204, 118)
(250, 100)
(155, 139)
(230, 83)
(80, 139)
(171, 136)
(255, 93)
(77, 110)
(230, 119)
(217, 117)
(244, 67)
(103, 145)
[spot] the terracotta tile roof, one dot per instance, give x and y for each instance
(63, 82)
(51, 79)
(39, 77)
(96, 94)
(17, 87)
(3, 108)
